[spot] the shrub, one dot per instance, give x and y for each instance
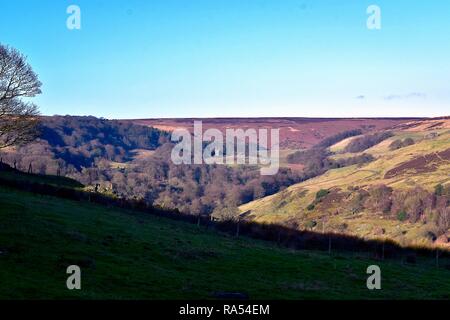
(356, 203)
(342, 227)
(310, 224)
(430, 235)
(408, 142)
(417, 202)
(379, 198)
(402, 216)
(439, 190)
(222, 213)
(321, 193)
(443, 220)
(397, 144)
(310, 207)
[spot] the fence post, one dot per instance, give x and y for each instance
(329, 243)
(437, 257)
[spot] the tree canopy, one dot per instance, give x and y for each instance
(18, 81)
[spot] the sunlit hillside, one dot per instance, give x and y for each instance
(424, 164)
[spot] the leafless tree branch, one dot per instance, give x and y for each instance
(18, 119)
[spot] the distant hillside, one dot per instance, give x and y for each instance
(402, 194)
(67, 144)
(131, 255)
(133, 161)
(295, 133)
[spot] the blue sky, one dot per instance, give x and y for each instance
(211, 58)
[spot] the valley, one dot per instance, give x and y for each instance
(421, 166)
(370, 178)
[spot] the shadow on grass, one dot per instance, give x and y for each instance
(283, 236)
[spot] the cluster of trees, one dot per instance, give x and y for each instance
(365, 142)
(328, 142)
(100, 153)
(317, 160)
(399, 143)
(195, 189)
(81, 141)
(66, 145)
(314, 159)
(350, 161)
(413, 204)
(38, 156)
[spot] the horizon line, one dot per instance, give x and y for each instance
(258, 117)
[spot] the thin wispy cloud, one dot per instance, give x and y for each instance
(412, 95)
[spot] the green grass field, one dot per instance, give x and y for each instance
(38, 178)
(129, 255)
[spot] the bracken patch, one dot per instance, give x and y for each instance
(422, 164)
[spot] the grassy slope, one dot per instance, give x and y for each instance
(129, 255)
(292, 202)
(41, 179)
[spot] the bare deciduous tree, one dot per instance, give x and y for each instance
(18, 118)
